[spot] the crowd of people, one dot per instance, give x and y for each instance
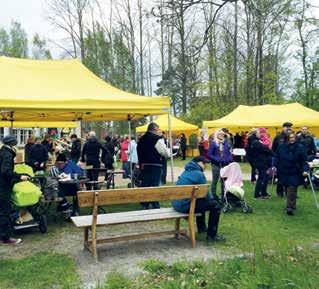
(286, 157)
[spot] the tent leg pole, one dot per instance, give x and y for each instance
(129, 151)
(170, 145)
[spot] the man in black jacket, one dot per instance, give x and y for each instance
(7, 179)
(278, 140)
(38, 155)
(308, 142)
(91, 156)
(75, 148)
(259, 157)
(151, 149)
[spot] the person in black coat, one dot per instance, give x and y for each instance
(292, 167)
(308, 142)
(47, 143)
(183, 145)
(75, 148)
(27, 148)
(91, 156)
(259, 157)
(7, 179)
(38, 156)
(278, 140)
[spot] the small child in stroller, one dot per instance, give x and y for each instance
(233, 193)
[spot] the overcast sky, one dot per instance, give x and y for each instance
(32, 15)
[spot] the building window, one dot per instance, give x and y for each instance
(1, 133)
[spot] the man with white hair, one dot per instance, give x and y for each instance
(91, 156)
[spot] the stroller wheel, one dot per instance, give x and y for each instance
(247, 209)
(129, 185)
(226, 208)
(43, 224)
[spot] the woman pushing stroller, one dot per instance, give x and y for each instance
(7, 179)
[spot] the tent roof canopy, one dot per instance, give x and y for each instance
(177, 124)
(55, 90)
(267, 116)
(38, 124)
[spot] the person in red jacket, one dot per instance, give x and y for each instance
(124, 157)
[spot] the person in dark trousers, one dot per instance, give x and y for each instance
(194, 175)
(278, 140)
(183, 145)
(27, 148)
(306, 139)
(150, 150)
(7, 179)
(108, 155)
(91, 156)
(259, 156)
(38, 156)
(164, 163)
(219, 154)
(75, 148)
(249, 158)
(292, 167)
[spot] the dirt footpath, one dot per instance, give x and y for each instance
(125, 257)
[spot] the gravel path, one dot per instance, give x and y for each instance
(124, 257)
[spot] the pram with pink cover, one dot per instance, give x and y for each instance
(234, 195)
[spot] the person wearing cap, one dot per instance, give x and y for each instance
(7, 179)
(278, 140)
(68, 167)
(194, 175)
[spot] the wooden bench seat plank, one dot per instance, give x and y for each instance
(110, 219)
(137, 195)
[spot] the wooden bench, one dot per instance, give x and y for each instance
(136, 195)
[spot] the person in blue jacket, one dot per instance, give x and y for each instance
(62, 165)
(194, 175)
(292, 167)
(220, 155)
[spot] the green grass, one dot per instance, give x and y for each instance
(42, 270)
(279, 248)
(289, 269)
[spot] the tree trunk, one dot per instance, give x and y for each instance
(235, 85)
(139, 3)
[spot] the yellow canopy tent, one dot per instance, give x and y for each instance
(55, 90)
(176, 124)
(268, 116)
(38, 124)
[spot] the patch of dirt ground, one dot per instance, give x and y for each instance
(123, 257)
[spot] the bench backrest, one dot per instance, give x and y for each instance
(137, 195)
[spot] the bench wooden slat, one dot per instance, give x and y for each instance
(123, 218)
(136, 195)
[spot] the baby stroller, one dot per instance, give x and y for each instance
(27, 211)
(234, 195)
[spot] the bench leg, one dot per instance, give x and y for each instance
(177, 228)
(191, 225)
(94, 249)
(86, 238)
